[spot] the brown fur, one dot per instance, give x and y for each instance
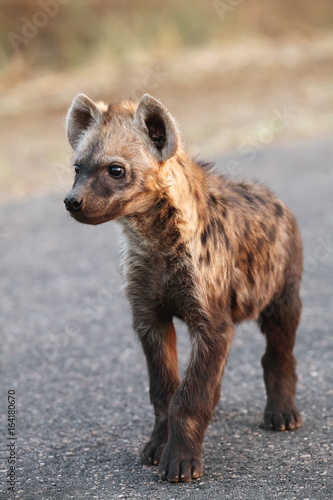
(198, 247)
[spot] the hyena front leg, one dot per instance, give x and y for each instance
(159, 345)
(191, 407)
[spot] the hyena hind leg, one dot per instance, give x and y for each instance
(279, 321)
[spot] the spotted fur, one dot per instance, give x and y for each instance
(197, 247)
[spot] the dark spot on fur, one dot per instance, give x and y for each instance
(213, 231)
(249, 308)
(243, 185)
(161, 204)
(250, 277)
(166, 213)
(174, 236)
(249, 197)
(221, 230)
(260, 199)
(205, 165)
(181, 250)
(272, 234)
(246, 230)
(259, 244)
(263, 227)
(223, 326)
(208, 257)
(204, 235)
(233, 299)
(278, 209)
(212, 199)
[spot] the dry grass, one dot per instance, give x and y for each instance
(82, 30)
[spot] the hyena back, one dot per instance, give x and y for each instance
(198, 247)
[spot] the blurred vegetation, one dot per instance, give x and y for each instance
(236, 60)
(84, 29)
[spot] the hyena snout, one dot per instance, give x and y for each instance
(73, 202)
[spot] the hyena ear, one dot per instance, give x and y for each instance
(81, 115)
(155, 121)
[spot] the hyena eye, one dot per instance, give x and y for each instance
(77, 169)
(116, 170)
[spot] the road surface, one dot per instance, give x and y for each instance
(79, 376)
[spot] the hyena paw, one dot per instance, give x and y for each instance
(152, 452)
(282, 420)
(178, 467)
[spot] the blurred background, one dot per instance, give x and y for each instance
(237, 74)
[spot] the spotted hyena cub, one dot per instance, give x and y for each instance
(197, 247)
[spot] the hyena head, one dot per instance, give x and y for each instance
(119, 153)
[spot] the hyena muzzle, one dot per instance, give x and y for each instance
(198, 247)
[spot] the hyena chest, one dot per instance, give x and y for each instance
(161, 284)
(174, 287)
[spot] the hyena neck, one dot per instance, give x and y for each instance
(179, 206)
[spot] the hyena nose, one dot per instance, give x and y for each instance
(73, 204)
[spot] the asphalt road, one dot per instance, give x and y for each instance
(81, 388)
